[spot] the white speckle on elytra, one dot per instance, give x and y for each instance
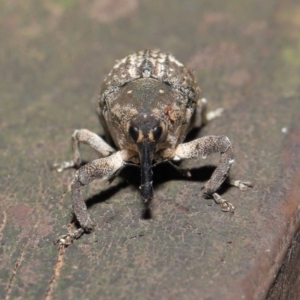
(228, 140)
(146, 73)
(129, 92)
(172, 59)
(161, 92)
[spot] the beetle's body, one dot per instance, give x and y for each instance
(149, 82)
(147, 105)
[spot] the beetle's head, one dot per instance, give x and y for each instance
(145, 130)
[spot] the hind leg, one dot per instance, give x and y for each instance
(202, 116)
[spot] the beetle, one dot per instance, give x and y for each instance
(148, 103)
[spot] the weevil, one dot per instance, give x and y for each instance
(148, 103)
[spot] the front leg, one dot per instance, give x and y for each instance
(203, 147)
(103, 168)
(87, 137)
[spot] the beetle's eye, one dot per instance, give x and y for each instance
(157, 131)
(133, 133)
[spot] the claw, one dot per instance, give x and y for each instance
(214, 114)
(64, 165)
(242, 185)
(225, 205)
(68, 239)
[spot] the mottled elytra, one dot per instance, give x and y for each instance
(148, 103)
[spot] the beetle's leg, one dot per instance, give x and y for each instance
(183, 172)
(87, 137)
(202, 116)
(242, 185)
(102, 168)
(203, 147)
